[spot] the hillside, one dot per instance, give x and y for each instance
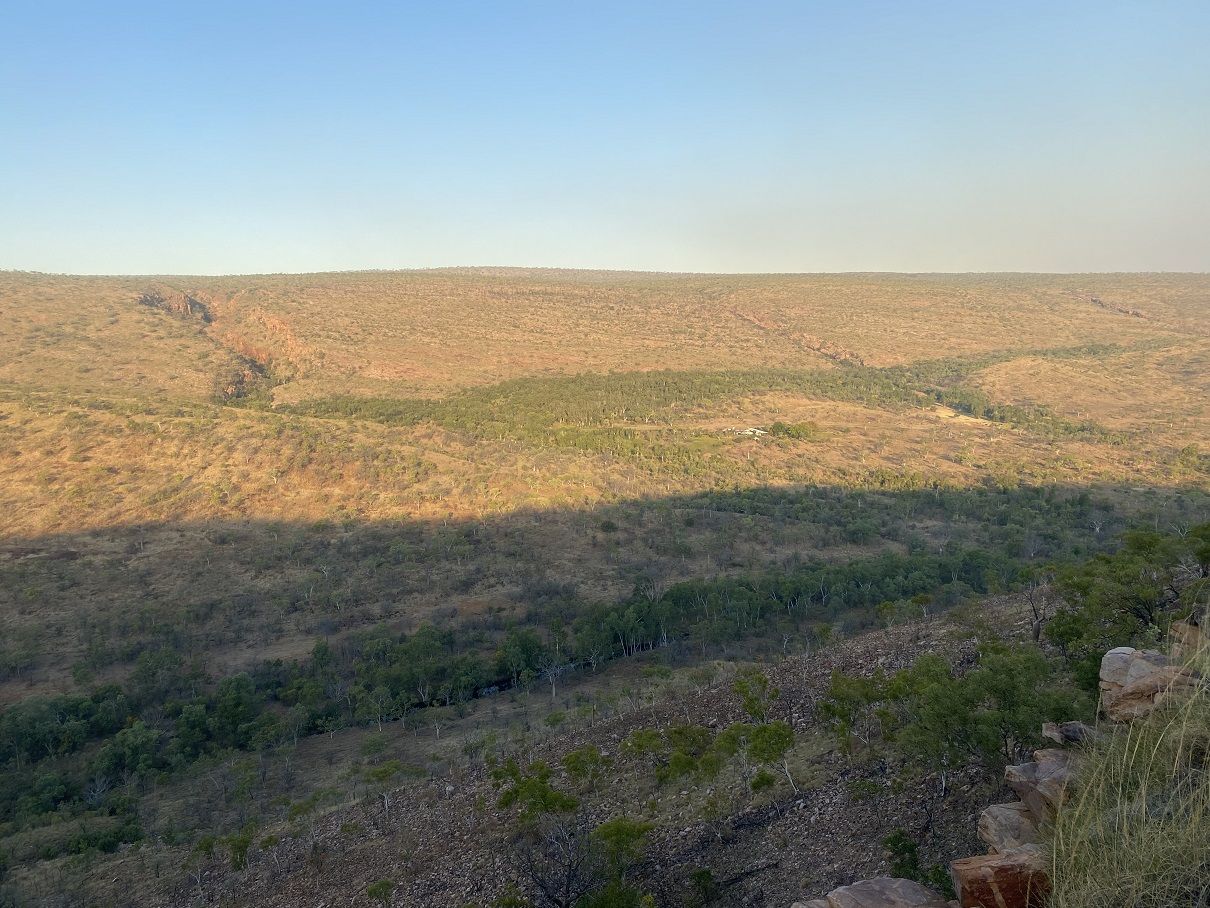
(427, 333)
(286, 529)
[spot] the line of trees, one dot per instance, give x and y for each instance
(590, 411)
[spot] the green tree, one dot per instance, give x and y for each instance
(992, 714)
(646, 745)
(235, 709)
(769, 745)
(622, 841)
(849, 707)
(529, 789)
(587, 766)
(904, 854)
(1122, 598)
(756, 693)
(192, 731)
(133, 749)
(238, 845)
(521, 651)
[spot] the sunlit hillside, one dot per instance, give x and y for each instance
(429, 332)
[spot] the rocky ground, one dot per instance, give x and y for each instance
(444, 842)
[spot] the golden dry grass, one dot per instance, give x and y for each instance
(89, 336)
(428, 332)
(1164, 393)
(1137, 831)
(93, 436)
(68, 468)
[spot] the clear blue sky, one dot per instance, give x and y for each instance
(697, 136)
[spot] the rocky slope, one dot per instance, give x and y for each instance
(445, 843)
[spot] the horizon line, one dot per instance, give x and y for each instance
(583, 270)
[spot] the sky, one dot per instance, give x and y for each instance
(757, 136)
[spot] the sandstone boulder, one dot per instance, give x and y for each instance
(1014, 879)
(1042, 784)
(1115, 664)
(1070, 733)
(1136, 682)
(884, 892)
(1189, 637)
(1005, 827)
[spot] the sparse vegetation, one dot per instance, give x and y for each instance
(325, 543)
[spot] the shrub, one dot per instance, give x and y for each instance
(380, 891)
(905, 864)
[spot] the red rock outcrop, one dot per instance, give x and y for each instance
(1189, 636)
(1005, 827)
(1014, 879)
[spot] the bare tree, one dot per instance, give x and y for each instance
(650, 585)
(551, 670)
(96, 789)
(1037, 594)
(594, 655)
(1031, 545)
(562, 860)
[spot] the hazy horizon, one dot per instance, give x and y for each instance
(772, 138)
(573, 270)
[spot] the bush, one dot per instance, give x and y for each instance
(803, 431)
(905, 864)
(992, 714)
(381, 891)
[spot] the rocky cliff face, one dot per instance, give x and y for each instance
(177, 303)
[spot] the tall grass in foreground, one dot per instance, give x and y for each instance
(1137, 832)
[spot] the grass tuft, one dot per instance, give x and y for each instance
(1138, 831)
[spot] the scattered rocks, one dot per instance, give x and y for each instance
(1014, 873)
(1070, 733)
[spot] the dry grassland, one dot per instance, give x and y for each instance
(73, 469)
(432, 331)
(1163, 394)
(89, 337)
